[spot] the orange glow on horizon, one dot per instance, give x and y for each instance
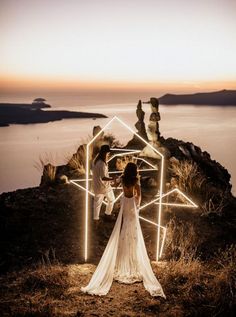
(16, 83)
(153, 46)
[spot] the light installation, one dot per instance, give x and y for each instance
(157, 201)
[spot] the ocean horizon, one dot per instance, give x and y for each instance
(211, 128)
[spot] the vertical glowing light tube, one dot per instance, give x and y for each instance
(161, 183)
(160, 210)
(86, 205)
(87, 190)
(163, 241)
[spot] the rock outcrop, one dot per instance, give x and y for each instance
(153, 126)
(140, 125)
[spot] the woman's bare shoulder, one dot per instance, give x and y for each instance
(137, 185)
(139, 180)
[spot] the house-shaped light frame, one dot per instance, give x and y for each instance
(157, 201)
(159, 212)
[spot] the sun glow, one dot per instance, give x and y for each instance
(89, 44)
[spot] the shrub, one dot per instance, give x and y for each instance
(214, 203)
(181, 241)
(78, 160)
(47, 169)
(187, 175)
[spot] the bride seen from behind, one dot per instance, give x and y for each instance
(125, 258)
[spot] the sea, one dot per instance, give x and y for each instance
(24, 147)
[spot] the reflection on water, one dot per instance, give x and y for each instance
(211, 128)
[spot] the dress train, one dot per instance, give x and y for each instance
(125, 258)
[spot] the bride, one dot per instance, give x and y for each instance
(125, 258)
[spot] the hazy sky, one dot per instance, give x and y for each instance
(125, 42)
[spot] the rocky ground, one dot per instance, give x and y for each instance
(192, 289)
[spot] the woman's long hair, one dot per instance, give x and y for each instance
(130, 175)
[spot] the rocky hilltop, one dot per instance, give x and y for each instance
(44, 226)
(187, 167)
(217, 98)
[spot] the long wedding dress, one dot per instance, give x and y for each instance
(125, 258)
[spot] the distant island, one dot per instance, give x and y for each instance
(15, 113)
(218, 98)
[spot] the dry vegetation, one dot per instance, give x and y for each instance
(214, 203)
(181, 241)
(194, 285)
(187, 175)
(193, 288)
(78, 160)
(46, 168)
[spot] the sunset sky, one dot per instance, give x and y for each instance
(125, 43)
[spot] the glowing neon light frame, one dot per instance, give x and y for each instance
(87, 184)
(157, 201)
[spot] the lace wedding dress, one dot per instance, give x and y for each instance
(125, 258)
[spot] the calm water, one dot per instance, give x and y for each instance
(211, 128)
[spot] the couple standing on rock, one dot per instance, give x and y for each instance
(125, 258)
